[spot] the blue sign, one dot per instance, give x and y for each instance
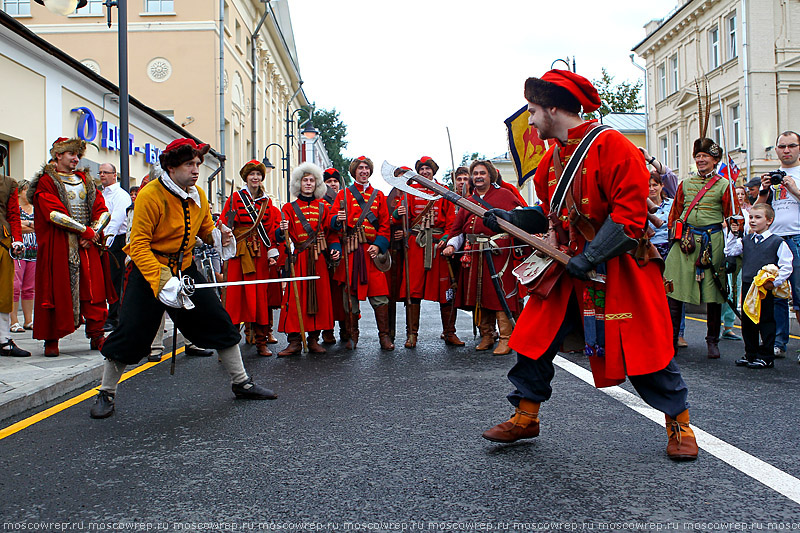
(109, 136)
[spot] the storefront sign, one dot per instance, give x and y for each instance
(109, 136)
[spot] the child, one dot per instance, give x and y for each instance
(758, 249)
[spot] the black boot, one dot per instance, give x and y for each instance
(250, 391)
(675, 313)
(104, 405)
(714, 318)
(9, 349)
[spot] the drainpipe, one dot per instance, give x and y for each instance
(746, 69)
(254, 90)
(222, 93)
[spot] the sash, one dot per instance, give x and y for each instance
(251, 212)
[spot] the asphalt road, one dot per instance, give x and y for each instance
(385, 440)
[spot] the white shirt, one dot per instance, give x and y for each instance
(786, 206)
(117, 201)
(733, 247)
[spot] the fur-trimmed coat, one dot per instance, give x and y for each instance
(58, 294)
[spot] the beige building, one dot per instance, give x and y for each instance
(174, 67)
(749, 52)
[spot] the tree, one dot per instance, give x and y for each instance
(333, 132)
(466, 159)
(621, 98)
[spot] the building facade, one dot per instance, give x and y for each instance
(749, 52)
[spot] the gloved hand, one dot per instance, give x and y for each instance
(172, 295)
(730, 265)
(491, 216)
(579, 267)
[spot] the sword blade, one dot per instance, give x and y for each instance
(251, 282)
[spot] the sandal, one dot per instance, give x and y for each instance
(16, 328)
(29, 327)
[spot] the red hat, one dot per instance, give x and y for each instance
(332, 173)
(576, 85)
(202, 147)
(251, 166)
(357, 161)
(425, 160)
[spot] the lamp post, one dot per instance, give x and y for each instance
(309, 132)
(67, 7)
(285, 168)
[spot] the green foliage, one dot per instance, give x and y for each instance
(620, 98)
(333, 132)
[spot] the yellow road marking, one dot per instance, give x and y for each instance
(47, 413)
(739, 327)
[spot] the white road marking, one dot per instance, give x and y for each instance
(761, 471)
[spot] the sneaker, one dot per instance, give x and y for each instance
(730, 335)
(9, 349)
(760, 363)
(779, 352)
(744, 361)
(682, 343)
(103, 406)
(250, 391)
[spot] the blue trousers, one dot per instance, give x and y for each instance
(782, 320)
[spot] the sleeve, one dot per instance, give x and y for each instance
(456, 226)
(540, 181)
(382, 238)
(118, 212)
(12, 215)
(670, 181)
(147, 214)
(784, 264)
(335, 225)
(624, 180)
(207, 225)
(50, 207)
(456, 242)
(677, 207)
(733, 244)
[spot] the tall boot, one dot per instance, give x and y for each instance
(51, 348)
(524, 424)
(505, 327)
(295, 345)
(382, 318)
(313, 343)
(95, 333)
(344, 333)
(486, 328)
(268, 331)
(714, 321)
(249, 333)
(353, 341)
(260, 337)
(682, 445)
(328, 337)
(412, 325)
(675, 312)
(392, 319)
(449, 315)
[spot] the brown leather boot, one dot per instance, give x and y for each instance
(268, 332)
(412, 325)
(260, 337)
(505, 327)
(344, 333)
(327, 337)
(682, 445)
(382, 319)
(51, 348)
(486, 328)
(712, 344)
(313, 343)
(295, 346)
(353, 340)
(524, 424)
(449, 314)
(249, 333)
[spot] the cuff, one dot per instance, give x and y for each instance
(88, 234)
(336, 224)
(163, 278)
(382, 243)
(336, 247)
(273, 252)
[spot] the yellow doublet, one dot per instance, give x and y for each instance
(158, 224)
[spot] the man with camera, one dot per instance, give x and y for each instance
(781, 189)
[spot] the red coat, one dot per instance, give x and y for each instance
(638, 330)
(321, 288)
(374, 282)
(252, 303)
(53, 299)
(466, 223)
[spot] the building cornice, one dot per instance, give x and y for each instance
(673, 26)
(101, 27)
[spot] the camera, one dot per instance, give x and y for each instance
(776, 177)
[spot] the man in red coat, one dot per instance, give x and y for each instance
(625, 321)
(73, 281)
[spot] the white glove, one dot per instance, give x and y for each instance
(226, 252)
(172, 294)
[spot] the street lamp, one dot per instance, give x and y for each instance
(67, 7)
(270, 166)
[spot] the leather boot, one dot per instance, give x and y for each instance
(353, 341)
(714, 322)
(313, 343)
(412, 327)
(51, 348)
(249, 334)
(449, 315)
(268, 331)
(505, 327)
(261, 339)
(382, 318)
(524, 424)
(392, 319)
(327, 337)
(295, 345)
(486, 327)
(344, 333)
(682, 445)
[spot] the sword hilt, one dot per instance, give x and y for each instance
(187, 285)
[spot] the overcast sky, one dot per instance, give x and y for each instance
(400, 72)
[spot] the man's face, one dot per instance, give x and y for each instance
(186, 174)
(541, 119)
(333, 183)
(363, 173)
(481, 178)
(704, 162)
(107, 175)
(752, 193)
(254, 179)
(426, 172)
(788, 150)
(307, 185)
(462, 184)
(759, 221)
(67, 161)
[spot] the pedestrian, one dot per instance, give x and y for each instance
(606, 219)
(758, 249)
(477, 292)
(170, 213)
(306, 222)
(333, 179)
(117, 201)
(24, 265)
(461, 183)
(73, 281)
(362, 220)
(249, 212)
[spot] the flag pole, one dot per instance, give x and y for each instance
(739, 215)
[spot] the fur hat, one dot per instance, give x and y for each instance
(303, 170)
(62, 144)
(708, 146)
(425, 160)
(357, 161)
(563, 89)
(332, 173)
(251, 166)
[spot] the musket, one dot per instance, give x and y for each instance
(289, 258)
(406, 238)
(346, 258)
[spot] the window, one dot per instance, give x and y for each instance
(662, 81)
(17, 7)
(713, 47)
(5, 164)
(662, 142)
(159, 6)
(94, 7)
(673, 73)
(731, 24)
(676, 147)
(717, 123)
(238, 34)
(736, 135)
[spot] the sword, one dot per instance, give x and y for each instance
(188, 286)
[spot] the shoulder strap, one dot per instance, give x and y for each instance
(481, 201)
(422, 214)
(710, 183)
(302, 218)
(366, 207)
(256, 217)
(564, 182)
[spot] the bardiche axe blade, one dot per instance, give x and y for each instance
(401, 182)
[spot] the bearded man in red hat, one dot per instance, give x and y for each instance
(617, 301)
(362, 220)
(252, 217)
(431, 279)
(73, 281)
